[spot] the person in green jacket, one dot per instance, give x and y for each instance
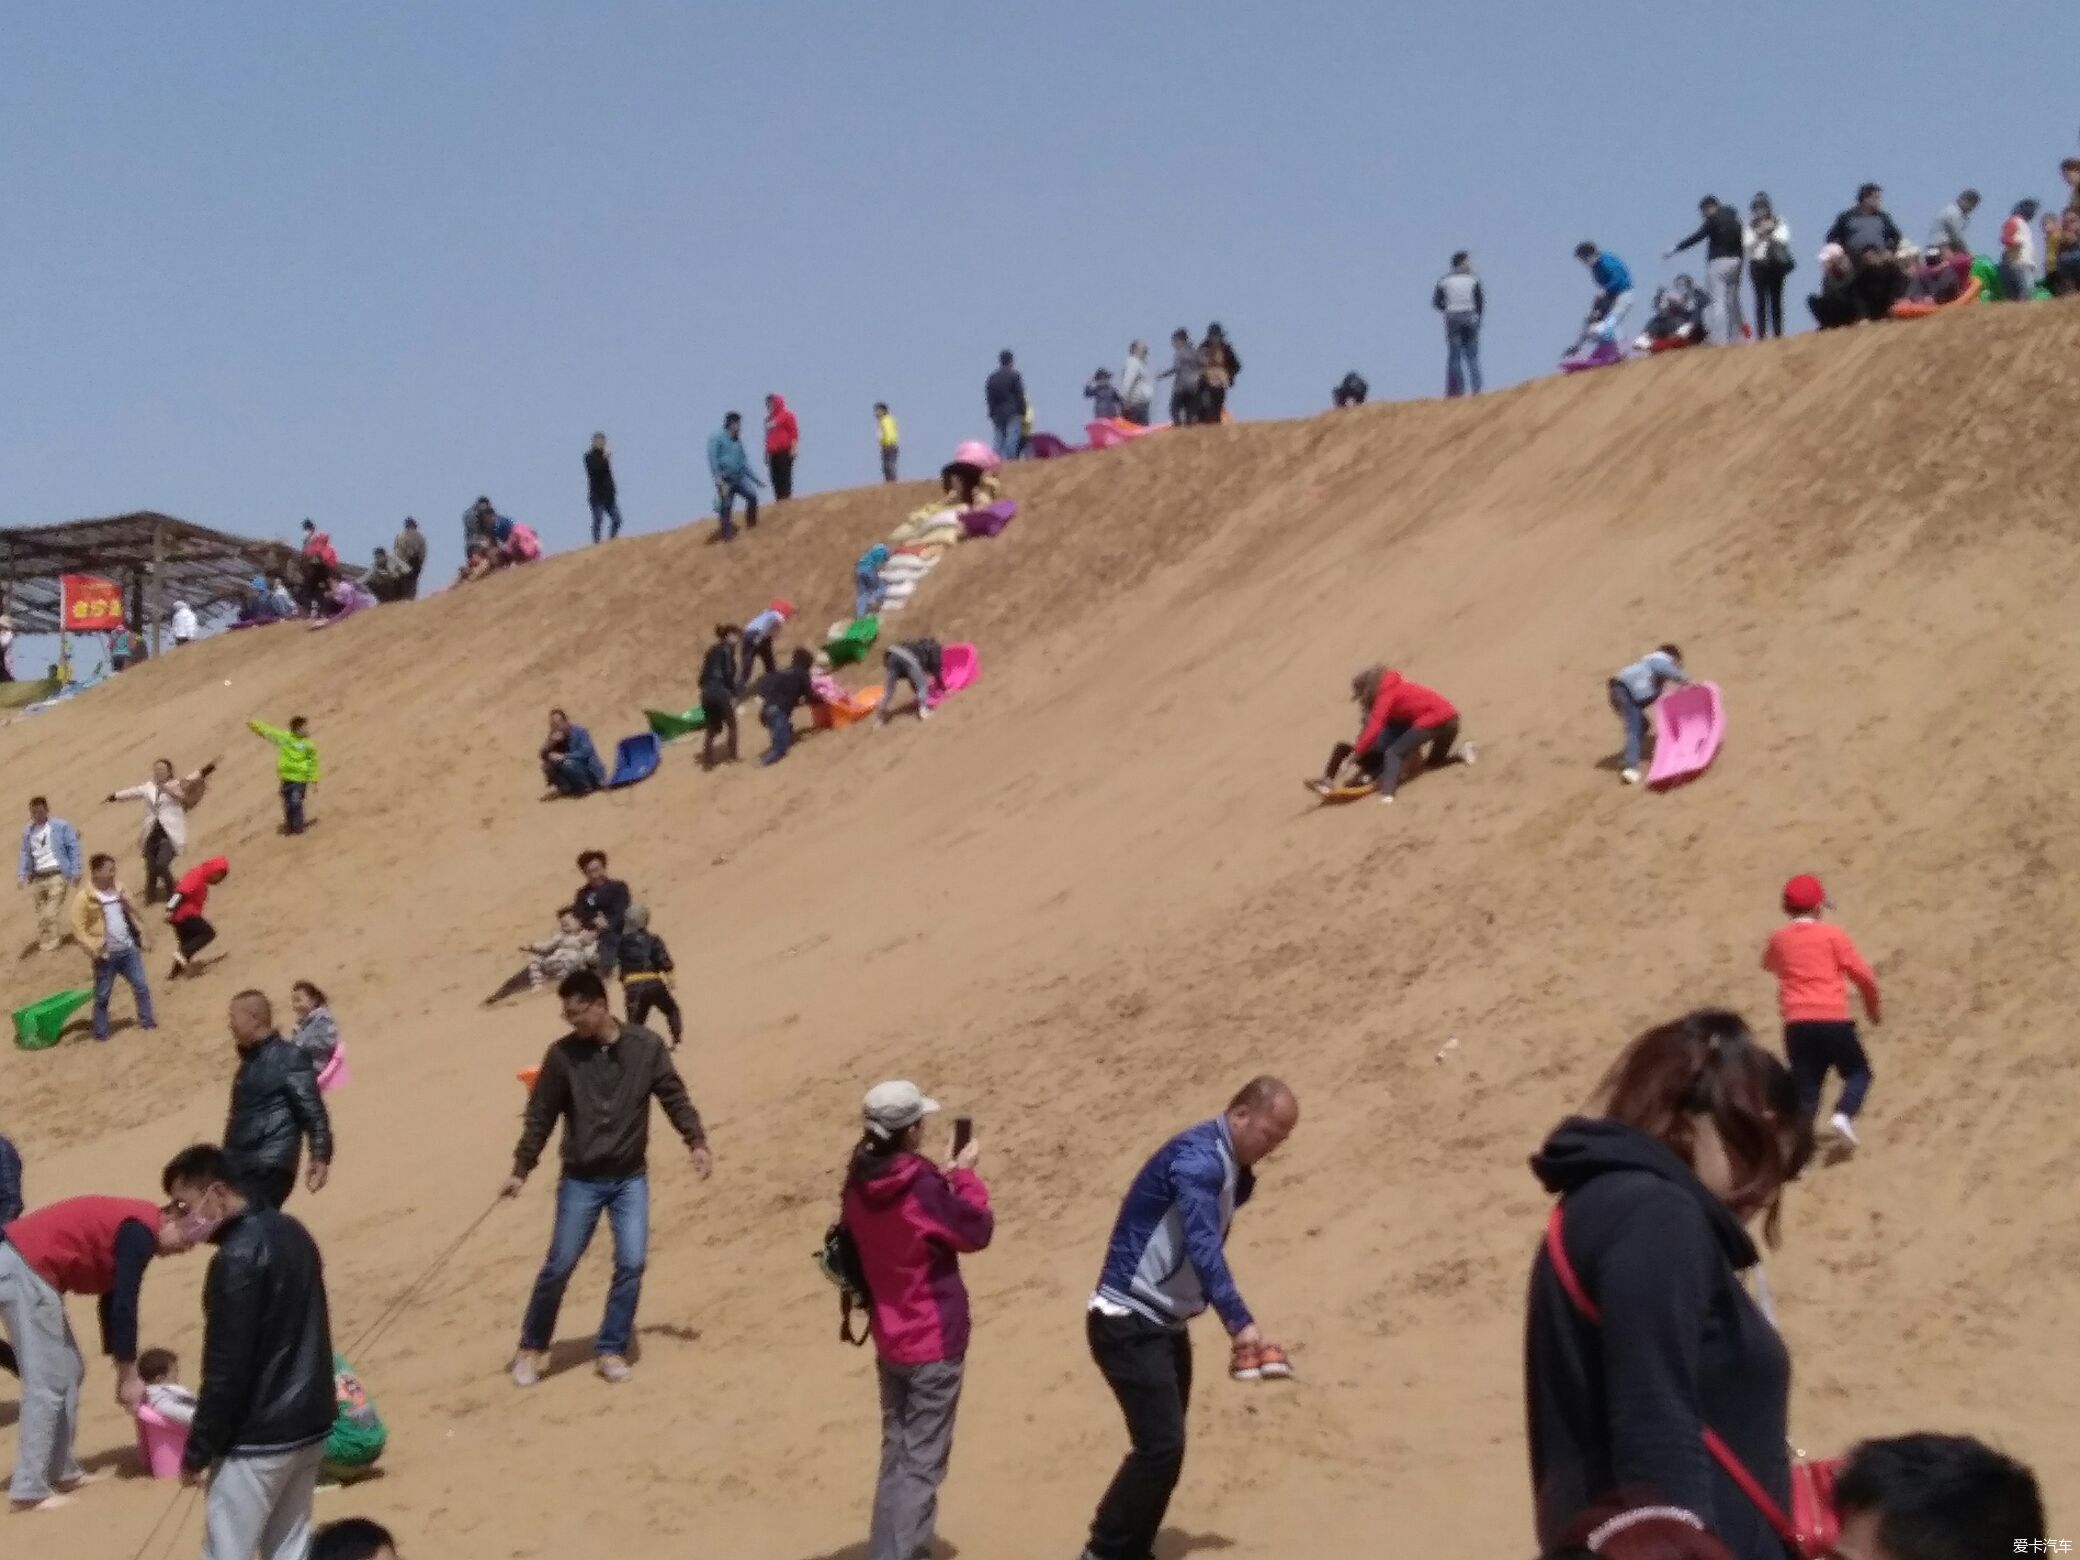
(295, 765)
(357, 1436)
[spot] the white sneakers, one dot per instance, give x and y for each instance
(527, 1369)
(1844, 1129)
(1629, 776)
(1469, 755)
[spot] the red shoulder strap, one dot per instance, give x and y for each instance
(1736, 1470)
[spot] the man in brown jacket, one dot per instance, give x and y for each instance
(600, 1078)
(109, 928)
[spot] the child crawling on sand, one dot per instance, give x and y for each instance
(1400, 718)
(574, 947)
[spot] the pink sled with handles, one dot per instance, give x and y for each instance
(1689, 725)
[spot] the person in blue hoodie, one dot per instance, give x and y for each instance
(1613, 292)
(868, 591)
(1165, 1265)
(570, 763)
(730, 466)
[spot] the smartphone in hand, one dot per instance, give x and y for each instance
(963, 1130)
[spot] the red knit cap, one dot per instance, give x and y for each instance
(1803, 894)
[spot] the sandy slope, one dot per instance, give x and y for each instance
(1092, 899)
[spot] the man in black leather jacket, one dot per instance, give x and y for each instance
(275, 1104)
(265, 1402)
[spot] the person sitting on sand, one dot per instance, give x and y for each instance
(963, 485)
(191, 932)
(570, 763)
(1939, 276)
(316, 1033)
(357, 1436)
(1400, 717)
(259, 605)
(1634, 690)
(574, 947)
(1678, 317)
(159, 1370)
(920, 662)
(780, 693)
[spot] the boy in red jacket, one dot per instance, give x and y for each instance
(184, 911)
(1811, 959)
(783, 436)
(1400, 717)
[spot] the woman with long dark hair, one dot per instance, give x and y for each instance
(1643, 1347)
(1767, 240)
(910, 1220)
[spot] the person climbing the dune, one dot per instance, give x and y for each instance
(1812, 960)
(191, 931)
(1400, 717)
(920, 662)
(1633, 691)
(783, 439)
(570, 763)
(295, 766)
(719, 689)
(646, 974)
(1613, 300)
(780, 693)
(868, 589)
(730, 468)
(757, 641)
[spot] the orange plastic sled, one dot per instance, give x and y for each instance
(1907, 310)
(1330, 796)
(836, 717)
(528, 1075)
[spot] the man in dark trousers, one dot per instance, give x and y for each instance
(1165, 1264)
(599, 487)
(719, 694)
(1719, 230)
(265, 1403)
(783, 438)
(600, 1079)
(1004, 394)
(275, 1105)
(410, 551)
(96, 1246)
(602, 904)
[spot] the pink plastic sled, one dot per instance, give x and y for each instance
(988, 522)
(959, 665)
(1690, 723)
(1115, 430)
(160, 1442)
(334, 1073)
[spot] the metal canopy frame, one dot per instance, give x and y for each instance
(156, 559)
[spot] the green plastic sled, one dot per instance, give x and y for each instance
(37, 1026)
(852, 645)
(667, 728)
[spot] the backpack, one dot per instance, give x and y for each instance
(838, 1260)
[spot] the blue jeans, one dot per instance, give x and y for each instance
(292, 805)
(1011, 437)
(727, 491)
(1634, 715)
(603, 509)
(578, 1207)
(779, 725)
(1462, 354)
(128, 963)
(868, 593)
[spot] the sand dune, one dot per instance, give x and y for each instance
(1091, 899)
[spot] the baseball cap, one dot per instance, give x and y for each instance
(896, 1107)
(1803, 894)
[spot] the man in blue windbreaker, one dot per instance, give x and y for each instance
(1164, 1266)
(1613, 292)
(730, 466)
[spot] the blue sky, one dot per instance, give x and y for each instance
(359, 261)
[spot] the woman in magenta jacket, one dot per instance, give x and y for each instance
(911, 1220)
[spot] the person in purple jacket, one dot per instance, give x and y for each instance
(910, 1221)
(1164, 1266)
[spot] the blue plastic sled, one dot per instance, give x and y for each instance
(635, 759)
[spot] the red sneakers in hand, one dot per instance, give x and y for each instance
(1259, 1362)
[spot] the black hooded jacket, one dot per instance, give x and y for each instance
(1619, 1409)
(266, 1343)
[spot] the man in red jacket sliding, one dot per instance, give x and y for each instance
(783, 434)
(1400, 717)
(83, 1246)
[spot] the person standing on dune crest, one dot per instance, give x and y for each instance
(783, 438)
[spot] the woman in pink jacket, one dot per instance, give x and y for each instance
(911, 1220)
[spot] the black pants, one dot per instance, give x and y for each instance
(270, 1185)
(1184, 406)
(292, 805)
(158, 866)
(1149, 1368)
(1815, 1049)
(780, 467)
(718, 714)
(1769, 299)
(1213, 400)
(646, 996)
(759, 650)
(193, 935)
(1398, 741)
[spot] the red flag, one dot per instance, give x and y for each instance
(92, 605)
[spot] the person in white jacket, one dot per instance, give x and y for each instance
(1766, 240)
(185, 627)
(166, 803)
(1137, 388)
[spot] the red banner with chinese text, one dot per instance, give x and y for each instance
(91, 605)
